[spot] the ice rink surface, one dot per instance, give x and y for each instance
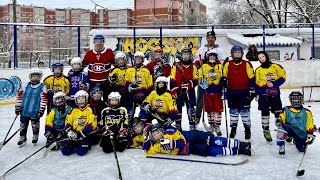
(265, 163)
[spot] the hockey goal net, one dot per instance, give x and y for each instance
(311, 93)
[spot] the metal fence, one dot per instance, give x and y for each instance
(24, 45)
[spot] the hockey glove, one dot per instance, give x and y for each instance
(84, 86)
(168, 122)
(41, 112)
(133, 87)
(203, 84)
(187, 85)
(168, 144)
(82, 135)
(71, 134)
(18, 110)
(49, 136)
(149, 108)
(113, 79)
(252, 93)
(174, 93)
(224, 82)
(310, 138)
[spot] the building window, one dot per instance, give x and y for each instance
(317, 52)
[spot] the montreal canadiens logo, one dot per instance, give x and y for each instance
(99, 67)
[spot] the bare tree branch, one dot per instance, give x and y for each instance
(307, 17)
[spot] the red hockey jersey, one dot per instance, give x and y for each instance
(98, 64)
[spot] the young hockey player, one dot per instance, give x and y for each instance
(96, 102)
(81, 121)
(238, 78)
(136, 130)
(159, 102)
(159, 65)
(56, 119)
(199, 60)
(183, 79)
(269, 77)
(30, 105)
(297, 123)
(117, 78)
(115, 122)
(99, 61)
(209, 80)
(138, 82)
(55, 83)
(175, 142)
(79, 80)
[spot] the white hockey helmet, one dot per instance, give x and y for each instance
(35, 71)
(116, 96)
(78, 61)
(162, 79)
(81, 93)
(139, 54)
(211, 52)
(120, 55)
(59, 99)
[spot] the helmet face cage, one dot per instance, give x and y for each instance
(33, 74)
(80, 103)
(212, 55)
(57, 66)
(59, 100)
(296, 99)
(121, 61)
(234, 49)
(96, 95)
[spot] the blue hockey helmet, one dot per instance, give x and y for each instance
(94, 96)
(98, 37)
(57, 65)
(234, 49)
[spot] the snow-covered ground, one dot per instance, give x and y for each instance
(264, 164)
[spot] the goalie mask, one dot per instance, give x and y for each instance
(161, 85)
(96, 93)
(35, 76)
(296, 99)
(81, 98)
(114, 99)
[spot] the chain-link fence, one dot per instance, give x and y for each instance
(25, 45)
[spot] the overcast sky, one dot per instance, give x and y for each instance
(87, 4)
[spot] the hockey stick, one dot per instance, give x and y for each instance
(4, 140)
(199, 161)
(7, 140)
(153, 114)
(301, 172)
(2, 177)
(203, 121)
(116, 157)
(225, 109)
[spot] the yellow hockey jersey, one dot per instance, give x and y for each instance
(212, 75)
(121, 74)
(136, 141)
(151, 148)
(142, 77)
(275, 74)
(82, 119)
(164, 105)
(57, 84)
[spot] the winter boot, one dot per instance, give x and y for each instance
(22, 140)
(233, 132)
(244, 148)
(217, 130)
(282, 150)
(267, 135)
(247, 133)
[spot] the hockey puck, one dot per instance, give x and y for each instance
(309, 106)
